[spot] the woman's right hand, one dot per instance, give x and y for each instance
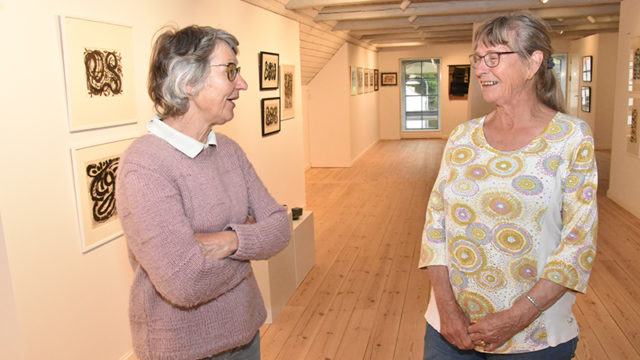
(221, 244)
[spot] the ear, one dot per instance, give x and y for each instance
(535, 61)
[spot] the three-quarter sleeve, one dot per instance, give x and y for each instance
(570, 265)
(161, 240)
(433, 250)
(271, 232)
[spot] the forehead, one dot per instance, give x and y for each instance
(222, 52)
(484, 46)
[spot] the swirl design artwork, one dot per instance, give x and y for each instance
(636, 65)
(104, 72)
(269, 71)
(271, 115)
(288, 90)
(102, 188)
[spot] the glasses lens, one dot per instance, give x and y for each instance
(232, 71)
(492, 59)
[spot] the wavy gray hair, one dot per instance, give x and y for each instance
(180, 60)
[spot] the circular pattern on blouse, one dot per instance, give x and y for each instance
(573, 182)
(501, 205)
(426, 255)
(490, 278)
(458, 279)
(504, 166)
(479, 233)
(475, 305)
(584, 156)
(466, 255)
(477, 136)
(586, 256)
(538, 335)
(434, 235)
(511, 239)
(550, 164)
(536, 146)
(527, 185)
(435, 201)
(463, 214)
(575, 236)
(561, 273)
(558, 130)
(464, 187)
(524, 270)
(462, 154)
(586, 193)
(477, 172)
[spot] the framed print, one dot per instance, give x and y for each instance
(269, 66)
(270, 116)
(389, 79)
(354, 80)
(98, 69)
(94, 169)
(634, 65)
(376, 79)
(366, 80)
(585, 104)
(371, 80)
(360, 80)
(459, 81)
(288, 106)
(586, 68)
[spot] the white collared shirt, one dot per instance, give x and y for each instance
(186, 144)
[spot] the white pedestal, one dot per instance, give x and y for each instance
(279, 276)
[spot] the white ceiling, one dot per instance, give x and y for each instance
(384, 23)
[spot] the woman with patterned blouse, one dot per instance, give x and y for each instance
(510, 232)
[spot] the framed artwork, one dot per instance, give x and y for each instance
(360, 80)
(586, 68)
(459, 81)
(585, 104)
(376, 79)
(270, 116)
(94, 169)
(288, 106)
(370, 80)
(389, 79)
(354, 80)
(366, 80)
(269, 66)
(634, 65)
(98, 69)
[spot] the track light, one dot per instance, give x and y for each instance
(591, 19)
(412, 18)
(405, 4)
(544, 1)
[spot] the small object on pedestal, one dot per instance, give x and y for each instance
(296, 212)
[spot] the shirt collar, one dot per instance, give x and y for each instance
(186, 144)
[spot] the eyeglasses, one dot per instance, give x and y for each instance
(232, 70)
(491, 59)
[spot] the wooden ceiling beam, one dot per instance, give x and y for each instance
(446, 8)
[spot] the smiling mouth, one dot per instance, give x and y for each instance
(488, 83)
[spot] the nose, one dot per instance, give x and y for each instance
(240, 83)
(480, 68)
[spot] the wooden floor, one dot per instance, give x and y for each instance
(365, 298)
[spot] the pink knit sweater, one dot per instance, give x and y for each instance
(182, 304)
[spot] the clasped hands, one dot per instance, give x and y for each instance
(220, 244)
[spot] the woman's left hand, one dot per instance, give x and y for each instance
(494, 330)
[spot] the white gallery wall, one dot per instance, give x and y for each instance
(58, 303)
(452, 112)
(341, 126)
(625, 167)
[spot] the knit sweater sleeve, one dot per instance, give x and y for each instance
(271, 232)
(162, 240)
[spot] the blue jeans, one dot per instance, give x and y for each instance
(436, 347)
(251, 351)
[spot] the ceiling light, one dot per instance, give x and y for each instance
(544, 1)
(405, 4)
(412, 18)
(591, 19)
(560, 19)
(561, 32)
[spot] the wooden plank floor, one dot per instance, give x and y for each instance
(365, 298)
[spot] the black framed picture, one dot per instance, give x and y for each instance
(586, 68)
(585, 103)
(376, 79)
(270, 116)
(269, 70)
(388, 79)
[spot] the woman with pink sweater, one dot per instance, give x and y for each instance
(193, 209)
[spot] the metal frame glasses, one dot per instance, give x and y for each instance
(232, 70)
(491, 59)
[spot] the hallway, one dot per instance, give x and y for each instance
(365, 298)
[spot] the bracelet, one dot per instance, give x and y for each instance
(534, 303)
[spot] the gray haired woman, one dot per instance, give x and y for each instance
(193, 209)
(510, 231)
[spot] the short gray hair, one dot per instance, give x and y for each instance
(180, 60)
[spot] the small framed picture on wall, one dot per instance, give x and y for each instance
(586, 68)
(389, 79)
(269, 70)
(585, 103)
(270, 116)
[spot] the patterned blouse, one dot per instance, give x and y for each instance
(501, 220)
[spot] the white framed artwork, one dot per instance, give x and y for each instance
(94, 169)
(288, 110)
(98, 68)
